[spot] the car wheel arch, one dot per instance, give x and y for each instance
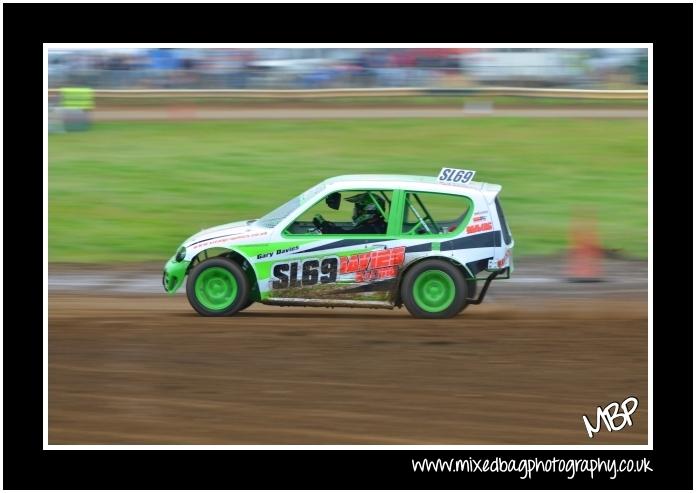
(235, 256)
(397, 288)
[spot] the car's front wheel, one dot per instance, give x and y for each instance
(217, 287)
(434, 289)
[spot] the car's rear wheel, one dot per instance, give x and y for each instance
(434, 289)
(217, 287)
(246, 305)
(472, 289)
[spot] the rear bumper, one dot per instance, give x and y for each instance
(503, 273)
(502, 262)
(173, 275)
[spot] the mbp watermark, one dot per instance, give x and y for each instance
(610, 414)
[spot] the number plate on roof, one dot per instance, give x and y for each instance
(454, 176)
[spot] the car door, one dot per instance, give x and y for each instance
(352, 261)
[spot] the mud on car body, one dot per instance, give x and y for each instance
(375, 241)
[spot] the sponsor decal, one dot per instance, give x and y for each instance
(477, 228)
(305, 273)
(380, 264)
(501, 263)
(225, 239)
(279, 251)
(479, 218)
(366, 267)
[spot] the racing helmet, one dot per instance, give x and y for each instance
(365, 211)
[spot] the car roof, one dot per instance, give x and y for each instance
(412, 182)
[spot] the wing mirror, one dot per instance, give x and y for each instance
(334, 200)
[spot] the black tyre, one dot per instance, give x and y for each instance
(471, 284)
(434, 289)
(472, 289)
(217, 287)
(246, 305)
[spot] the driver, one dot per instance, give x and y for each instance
(367, 218)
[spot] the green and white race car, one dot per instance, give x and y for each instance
(371, 241)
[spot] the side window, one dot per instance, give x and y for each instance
(428, 213)
(346, 212)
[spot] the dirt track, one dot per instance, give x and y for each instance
(127, 369)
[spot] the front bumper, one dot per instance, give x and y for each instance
(174, 274)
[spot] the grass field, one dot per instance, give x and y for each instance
(374, 101)
(132, 192)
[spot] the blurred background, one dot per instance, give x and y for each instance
(149, 146)
(181, 139)
(316, 68)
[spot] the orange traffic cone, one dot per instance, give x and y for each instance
(585, 256)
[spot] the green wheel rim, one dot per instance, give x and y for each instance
(216, 288)
(433, 291)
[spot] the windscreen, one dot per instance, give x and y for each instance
(273, 218)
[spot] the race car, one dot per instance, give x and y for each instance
(370, 241)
